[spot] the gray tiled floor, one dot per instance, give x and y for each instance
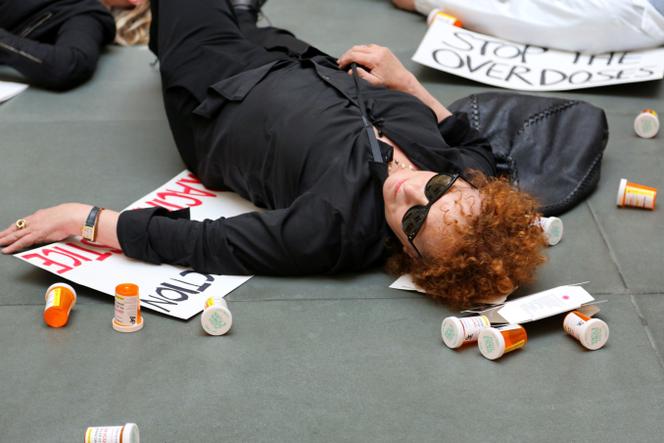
(336, 359)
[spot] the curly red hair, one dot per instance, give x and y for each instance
(494, 253)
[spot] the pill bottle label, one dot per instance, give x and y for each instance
(212, 301)
(472, 327)
(127, 310)
(54, 298)
(459, 331)
(636, 195)
(641, 198)
(104, 434)
(573, 322)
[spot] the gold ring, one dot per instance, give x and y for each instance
(21, 224)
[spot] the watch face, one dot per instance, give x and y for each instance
(88, 233)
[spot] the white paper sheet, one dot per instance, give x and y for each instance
(171, 290)
(545, 304)
(522, 67)
(10, 89)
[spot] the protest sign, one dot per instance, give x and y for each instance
(171, 290)
(525, 67)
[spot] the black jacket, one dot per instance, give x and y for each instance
(55, 44)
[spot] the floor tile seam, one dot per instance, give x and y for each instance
(648, 331)
(323, 299)
(605, 239)
(632, 297)
(631, 292)
(85, 120)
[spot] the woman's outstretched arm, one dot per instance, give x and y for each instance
(58, 223)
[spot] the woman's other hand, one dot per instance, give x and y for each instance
(45, 226)
(383, 68)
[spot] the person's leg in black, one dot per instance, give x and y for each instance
(271, 38)
(198, 43)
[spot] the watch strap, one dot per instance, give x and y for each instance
(89, 231)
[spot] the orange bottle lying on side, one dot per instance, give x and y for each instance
(60, 299)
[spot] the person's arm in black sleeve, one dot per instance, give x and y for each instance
(473, 149)
(68, 62)
(305, 238)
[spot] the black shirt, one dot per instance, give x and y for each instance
(289, 137)
(55, 44)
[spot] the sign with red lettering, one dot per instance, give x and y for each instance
(525, 67)
(171, 290)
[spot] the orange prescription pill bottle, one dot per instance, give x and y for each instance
(60, 299)
(636, 195)
(495, 342)
(127, 308)
(216, 318)
(112, 434)
(459, 331)
(592, 333)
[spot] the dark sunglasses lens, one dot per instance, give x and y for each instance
(413, 220)
(437, 186)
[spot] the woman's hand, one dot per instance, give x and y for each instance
(383, 68)
(45, 226)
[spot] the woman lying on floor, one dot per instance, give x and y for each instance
(345, 166)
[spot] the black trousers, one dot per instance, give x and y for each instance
(201, 42)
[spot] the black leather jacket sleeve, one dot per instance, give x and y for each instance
(68, 62)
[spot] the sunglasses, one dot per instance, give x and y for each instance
(414, 218)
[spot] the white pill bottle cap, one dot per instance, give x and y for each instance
(646, 124)
(130, 433)
(452, 332)
(216, 318)
(594, 334)
(491, 343)
(553, 229)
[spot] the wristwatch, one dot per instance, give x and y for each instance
(89, 230)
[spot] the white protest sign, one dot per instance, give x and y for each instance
(171, 290)
(524, 67)
(10, 89)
